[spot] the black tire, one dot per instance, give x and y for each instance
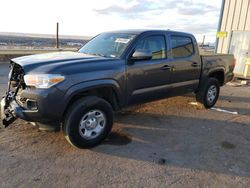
(202, 94)
(75, 114)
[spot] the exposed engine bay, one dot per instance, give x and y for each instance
(9, 101)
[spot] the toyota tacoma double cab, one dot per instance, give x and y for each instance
(80, 91)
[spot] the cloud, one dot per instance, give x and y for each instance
(140, 7)
(195, 16)
(187, 27)
(193, 8)
(184, 7)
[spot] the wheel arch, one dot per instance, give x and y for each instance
(219, 74)
(106, 89)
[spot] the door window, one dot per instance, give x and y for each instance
(181, 46)
(154, 44)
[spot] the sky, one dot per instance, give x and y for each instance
(88, 18)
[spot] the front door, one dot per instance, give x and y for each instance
(149, 79)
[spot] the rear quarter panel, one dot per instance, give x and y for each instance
(218, 62)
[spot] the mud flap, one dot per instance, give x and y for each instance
(6, 115)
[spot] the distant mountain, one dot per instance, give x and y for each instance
(48, 36)
(26, 40)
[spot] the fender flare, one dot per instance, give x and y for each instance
(206, 74)
(216, 69)
(89, 85)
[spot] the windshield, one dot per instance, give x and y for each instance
(108, 44)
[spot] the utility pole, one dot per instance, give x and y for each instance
(57, 35)
(203, 41)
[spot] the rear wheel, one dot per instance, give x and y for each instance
(88, 121)
(209, 93)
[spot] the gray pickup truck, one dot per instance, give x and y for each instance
(79, 91)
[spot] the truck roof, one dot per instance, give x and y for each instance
(140, 31)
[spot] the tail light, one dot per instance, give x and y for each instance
(233, 65)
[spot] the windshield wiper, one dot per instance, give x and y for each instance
(97, 54)
(102, 55)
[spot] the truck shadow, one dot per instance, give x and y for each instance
(117, 139)
(235, 98)
(187, 142)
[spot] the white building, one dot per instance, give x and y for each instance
(234, 34)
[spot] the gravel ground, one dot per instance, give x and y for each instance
(168, 143)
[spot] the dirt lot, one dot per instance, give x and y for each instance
(169, 143)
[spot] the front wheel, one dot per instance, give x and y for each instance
(88, 121)
(209, 93)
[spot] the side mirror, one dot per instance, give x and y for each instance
(142, 55)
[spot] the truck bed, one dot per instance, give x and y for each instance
(225, 62)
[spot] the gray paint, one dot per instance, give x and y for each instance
(133, 81)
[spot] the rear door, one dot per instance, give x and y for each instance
(186, 63)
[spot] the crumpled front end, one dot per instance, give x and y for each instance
(43, 105)
(9, 104)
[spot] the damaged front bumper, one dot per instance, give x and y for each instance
(9, 107)
(30, 103)
(9, 113)
(44, 106)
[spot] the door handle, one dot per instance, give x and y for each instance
(194, 64)
(166, 67)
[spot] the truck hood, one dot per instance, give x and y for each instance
(47, 61)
